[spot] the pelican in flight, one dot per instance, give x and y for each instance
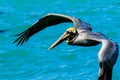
(80, 35)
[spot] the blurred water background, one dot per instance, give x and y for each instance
(32, 61)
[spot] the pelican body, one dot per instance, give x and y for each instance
(80, 35)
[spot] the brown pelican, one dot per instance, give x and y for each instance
(80, 35)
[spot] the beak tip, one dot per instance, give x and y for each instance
(49, 49)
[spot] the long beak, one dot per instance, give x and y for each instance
(60, 40)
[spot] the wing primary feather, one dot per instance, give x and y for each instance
(21, 36)
(20, 39)
(27, 38)
(20, 33)
(23, 39)
(17, 39)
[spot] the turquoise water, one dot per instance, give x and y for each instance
(32, 61)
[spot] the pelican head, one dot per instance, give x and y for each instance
(68, 35)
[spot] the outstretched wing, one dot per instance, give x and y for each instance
(46, 21)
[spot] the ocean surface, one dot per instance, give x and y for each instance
(33, 61)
